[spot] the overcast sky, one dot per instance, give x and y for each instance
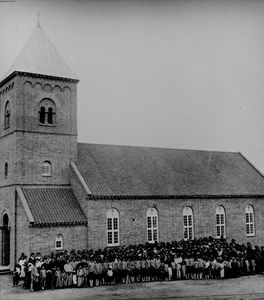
(177, 74)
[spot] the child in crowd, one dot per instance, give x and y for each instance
(204, 258)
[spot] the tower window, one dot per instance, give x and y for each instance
(46, 168)
(7, 115)
(47, 112)
(50, 115)
(6, 170)
(42, 115)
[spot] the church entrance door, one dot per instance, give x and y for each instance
(5, 241)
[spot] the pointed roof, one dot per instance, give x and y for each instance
(39, 56)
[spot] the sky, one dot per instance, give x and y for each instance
(172, 74)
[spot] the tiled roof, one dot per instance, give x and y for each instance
(124, 170)
(39, 56)
(54, 206)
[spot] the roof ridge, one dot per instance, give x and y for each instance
(157, 147)
(45, 187)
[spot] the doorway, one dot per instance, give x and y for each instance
(5, 241)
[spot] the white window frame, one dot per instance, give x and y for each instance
(250, 220)
(59, 239)
(152, 225)
(188, 228)
(46, 168)
(112, 227)
(220, 221)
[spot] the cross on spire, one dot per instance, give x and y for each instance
(38, 20)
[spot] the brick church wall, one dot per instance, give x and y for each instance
(36, 143)
(7, 205)
(43, 238)
(34, 149)
(133, 222)
(26, 144)
(23, 231)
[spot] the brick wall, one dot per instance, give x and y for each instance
(32, 91)
(7, 205)
(8, 92)
(43, 238)
(23, 231)
(133, 223)
(27, 143)
(33, 149)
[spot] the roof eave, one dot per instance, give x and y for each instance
(58, 224)
(36, 75)
(9, 77)
(184, 196)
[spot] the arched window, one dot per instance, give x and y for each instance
(59, 242)
(220, 221)
(6, 170)
(50, 115)
(188, 232)
(7, 115)
(47, 111)
(46, 168)
(112, 217)
(42, 115)
(152, 225)
(250, 220)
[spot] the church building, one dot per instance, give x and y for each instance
(57, 194)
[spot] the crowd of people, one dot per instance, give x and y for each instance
(204, 258)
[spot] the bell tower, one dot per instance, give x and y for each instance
(38, 124)
(38, 139)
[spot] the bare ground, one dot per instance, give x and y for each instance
(249, 287)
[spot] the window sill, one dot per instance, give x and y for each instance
(251, 235)
(46, 175)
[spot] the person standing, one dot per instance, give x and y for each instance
(43, 276)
